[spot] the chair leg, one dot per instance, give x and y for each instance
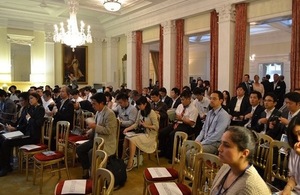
(34, 172)
(157, 157)
(20, 161)
(67, 169)
(41, 179)
(145, 185)
(59, 172)
(27, 159)
(74, 155)
(138, 157)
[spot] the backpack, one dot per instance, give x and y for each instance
(118, 169)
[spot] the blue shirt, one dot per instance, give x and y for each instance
(214, 126)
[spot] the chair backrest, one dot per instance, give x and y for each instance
(85, 115)
(206, 168)
(188, 159)
(77, 119)
(171, 115)
(99, 161)
(278, 161)
(179, 138)
(62, 136)
(104, 182)
(98, 145)
(117, 137)
(47, 130)
(262, 151)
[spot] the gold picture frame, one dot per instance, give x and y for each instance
(75, 63)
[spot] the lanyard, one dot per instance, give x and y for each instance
(211, 120)
(236, 179)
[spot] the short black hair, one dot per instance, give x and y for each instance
(99, 98)
(122, 96)
(47, 93)
(107, 94)
(259, 96)
(162, 89)
(272, 95)
(186, 94)
(176, 90)
(293, 96)
(3, 93)
(74, 92)
(220, 94)
(154, 92)
(13, 86)
(24, 95)
(198, 91)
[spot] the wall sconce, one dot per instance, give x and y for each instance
(252, 57)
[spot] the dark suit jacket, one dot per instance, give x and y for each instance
(279, 91)
(267, 86)
(277, 131)
(244, 106)
(162, 108)
(177, 102)
(65, 113)
(243, 84)
(35, 123)
(255, 117)
(168, 101)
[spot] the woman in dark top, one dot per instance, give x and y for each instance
(226, 100)
(34, 117)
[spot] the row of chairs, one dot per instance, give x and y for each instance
(271, 156)
(200, 168)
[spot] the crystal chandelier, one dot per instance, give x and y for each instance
(73, 37)
(112, 5)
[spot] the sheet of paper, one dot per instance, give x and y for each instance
(81, 142)
(30, 147)
(167, 188)
(130, 134)
(12, 135)
(49, 153)
(159, 172)
(76, 186)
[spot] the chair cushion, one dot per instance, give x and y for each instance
(43, 147)
(43, 157)
(74, 138)
(173, 172)
(185, 190)
(88, 187)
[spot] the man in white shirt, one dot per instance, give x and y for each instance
(201, 102)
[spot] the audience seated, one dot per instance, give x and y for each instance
(159, 107)
(175, 95)
(269, 121)
(186, 117)
(8, 108)
(253, 113)
(105, 126)
(165, 98)
(215, 124)
(238, 175)
(201, 103)
(146, 118)
(29, 123)
(238, 106)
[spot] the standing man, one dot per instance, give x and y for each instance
(279, 90)
(247, 84)
(104, 126)
(267, 85)
(216, 122)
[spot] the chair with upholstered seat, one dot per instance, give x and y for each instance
(188, 163)
(210, 164)
(104, 182)
(278, 161)
(179, 138)
(99, 161)
(49, 158)
(26, 154)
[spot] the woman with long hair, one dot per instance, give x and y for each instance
(225, 103)
(146, 119)
(238, 175)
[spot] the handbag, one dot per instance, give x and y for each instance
(140, 129)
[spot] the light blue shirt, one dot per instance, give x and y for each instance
(214, 126)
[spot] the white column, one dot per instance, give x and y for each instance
(169, 54)
(226, 47)
(112, 61)
(145, 65)
(49, 60)
(131, 60)
(98, 65)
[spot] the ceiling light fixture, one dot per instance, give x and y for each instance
(112, 5)
(72, 37)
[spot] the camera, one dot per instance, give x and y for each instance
(51, 107)
(274, 119)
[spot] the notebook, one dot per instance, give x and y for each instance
(13, 135)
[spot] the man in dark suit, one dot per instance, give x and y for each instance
(269, 121)
(8, 108)
(247, 84)
(253, 112)
(267, 85)
(238, 106)
(279, 90)
(159, 107)
(165, 98)
(63, 111)
(175, 95)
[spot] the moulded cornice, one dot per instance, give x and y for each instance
(20, 39)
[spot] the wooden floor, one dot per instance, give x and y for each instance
(15, 182)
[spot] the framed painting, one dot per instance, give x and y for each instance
(75, 64)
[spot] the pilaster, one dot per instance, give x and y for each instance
(131, 60)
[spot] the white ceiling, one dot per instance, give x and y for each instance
(42, 14)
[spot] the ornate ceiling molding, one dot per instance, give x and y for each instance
(20, 39)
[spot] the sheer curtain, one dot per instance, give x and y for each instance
(240, 42)
(214, 41)
(295, 47)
